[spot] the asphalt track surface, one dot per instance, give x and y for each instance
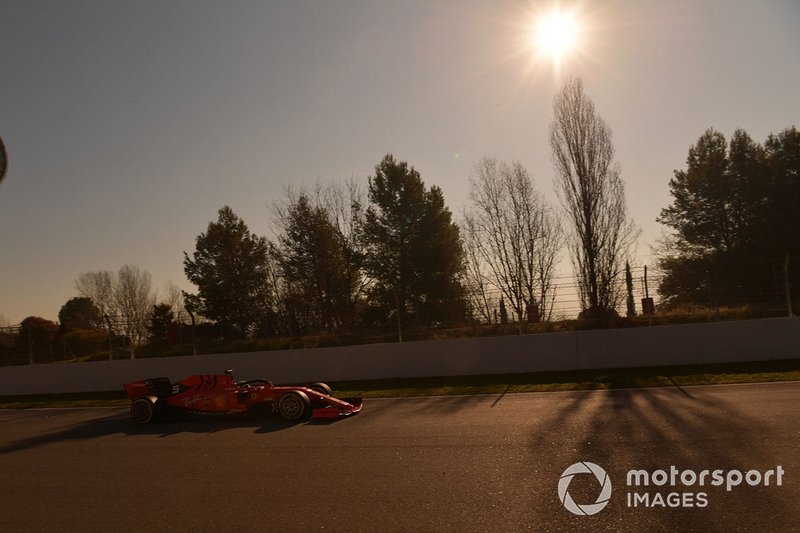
(459, 463)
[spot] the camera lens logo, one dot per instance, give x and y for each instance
(566, 479)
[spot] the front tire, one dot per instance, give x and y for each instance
(142, 411)
(293, 405)
(321, 388)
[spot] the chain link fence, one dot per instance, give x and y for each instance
(758, 297)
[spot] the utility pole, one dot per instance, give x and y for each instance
(399, 322)
(194, 338)
(30, 345)
(108, 325)
(190, 303)
(648, 306)
(786, 285)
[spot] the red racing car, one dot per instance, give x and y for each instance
(220, 393)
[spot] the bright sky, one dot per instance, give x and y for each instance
(129, 124)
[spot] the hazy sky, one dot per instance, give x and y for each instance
(129, 124)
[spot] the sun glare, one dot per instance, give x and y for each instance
(555, 34)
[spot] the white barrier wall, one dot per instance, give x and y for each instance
(752, 340)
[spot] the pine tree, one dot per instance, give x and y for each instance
(414, 251)
(230, 268)
(629, 289)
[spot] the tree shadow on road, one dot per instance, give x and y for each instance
(652, 429)
(431, 405)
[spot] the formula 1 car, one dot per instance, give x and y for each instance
(221, 394)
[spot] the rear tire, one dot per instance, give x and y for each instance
(142, 411)
(293, 405)
(322, 388)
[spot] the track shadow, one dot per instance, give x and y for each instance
(501, 396)
(652, 429)
(97, 427)
(168, 425)
(176, 423)
(430, 405)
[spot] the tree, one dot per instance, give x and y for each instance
(79, 313)
(83, 342)
(705, 222)
(685, 275)
(173, 297)
(629, 303)
(438, 256)
(230, 269)
(704, 196)
(481, 294)
(99, 286)
(277, 318)
(344, 204)
(125, 298)
(318, 263)
(593, 195)
(782, 154)
(134, 299)
(734, 222)
(748, 184)
(514, 234)
(414, 252)
(40, 334)
(162, 321)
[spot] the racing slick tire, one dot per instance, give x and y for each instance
(143, 410)
(294, 405)
(322, 388)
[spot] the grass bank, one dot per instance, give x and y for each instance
(617, 378)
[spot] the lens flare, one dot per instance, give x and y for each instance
(555, 34)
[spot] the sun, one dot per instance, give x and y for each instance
(555, 34)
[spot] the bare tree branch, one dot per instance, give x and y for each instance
(134, 299)
(593, 196)
(513, 234)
